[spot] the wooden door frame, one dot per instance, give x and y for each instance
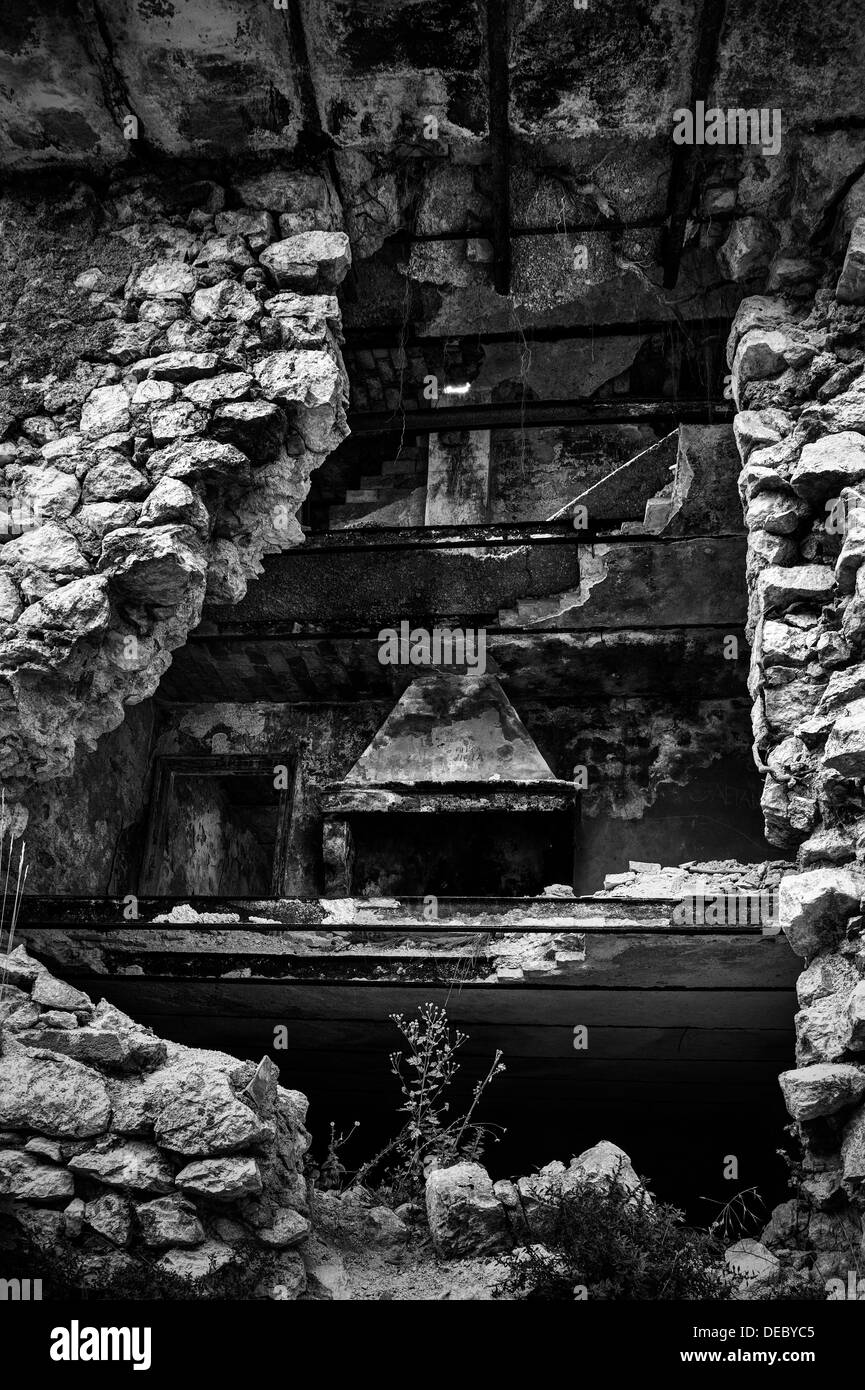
(167, 767)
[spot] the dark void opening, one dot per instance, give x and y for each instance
(680, 1136)
(217, 828)
(453, 853)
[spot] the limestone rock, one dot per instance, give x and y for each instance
(50, 550)
(182, 365)
(46, 1148)
(10, 600)
(757, 429)
(775, 512)
(160, 566)
(171, 500)
(226, 581)
(129, 1164)
(106, 411)
(110, 1216)
(287, 1228)
(853, 1147)
(196, 1265)
(262, 1092)
(760, 354)
(825, 976)
(823, 1089)
(829, 464)
(851, 282)
(205, 459)
(25, 1179)
(166, 279)
(225, 301)
(131, 341)
(845, 746)
(225, 386)
(209, 1119)
(748, 249)
(853, 624)
(752, 1261)
(177, 420)
(51, 1094)
(822, 1031)
(258, 228)
(113, 480)
(300, 262)
(84, 1044)
(221, 251)
(605, 1165)
(20, 968)
(169, 1221)
(780, 588)
(56, 994)
(814, 906)
(465, 1217)
(92, 522)
(822, 1191)
(221, 1179)
(856, 1018)
(310, 379)
(78, 610)
(45, 493)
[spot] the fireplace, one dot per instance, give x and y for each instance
(451, 798)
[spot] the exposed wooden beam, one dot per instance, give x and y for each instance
(516, 415)
(673, 329)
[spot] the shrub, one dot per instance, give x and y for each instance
(428, 1136)
(611, 1244)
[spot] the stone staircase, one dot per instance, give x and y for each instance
(396, 496)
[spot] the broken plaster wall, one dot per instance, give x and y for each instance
(171, 375)
(666, 783)
(798, 378)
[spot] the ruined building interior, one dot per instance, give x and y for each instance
(429, 574)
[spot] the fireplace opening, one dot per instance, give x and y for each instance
(453, 853)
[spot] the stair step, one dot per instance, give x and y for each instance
(404, 464)
(361, 494)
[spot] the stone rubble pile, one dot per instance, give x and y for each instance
(709, 878)
(469, 1214)
(798, 380)
(160, 469)
(128, 1159)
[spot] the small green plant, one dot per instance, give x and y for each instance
(330, 1176)
(742, 1215)
(607, 1243)
(428, 1138)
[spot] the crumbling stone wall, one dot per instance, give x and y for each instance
(798, 378)
(156, 443)
(131, 1163)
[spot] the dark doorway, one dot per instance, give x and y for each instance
(218, 827)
